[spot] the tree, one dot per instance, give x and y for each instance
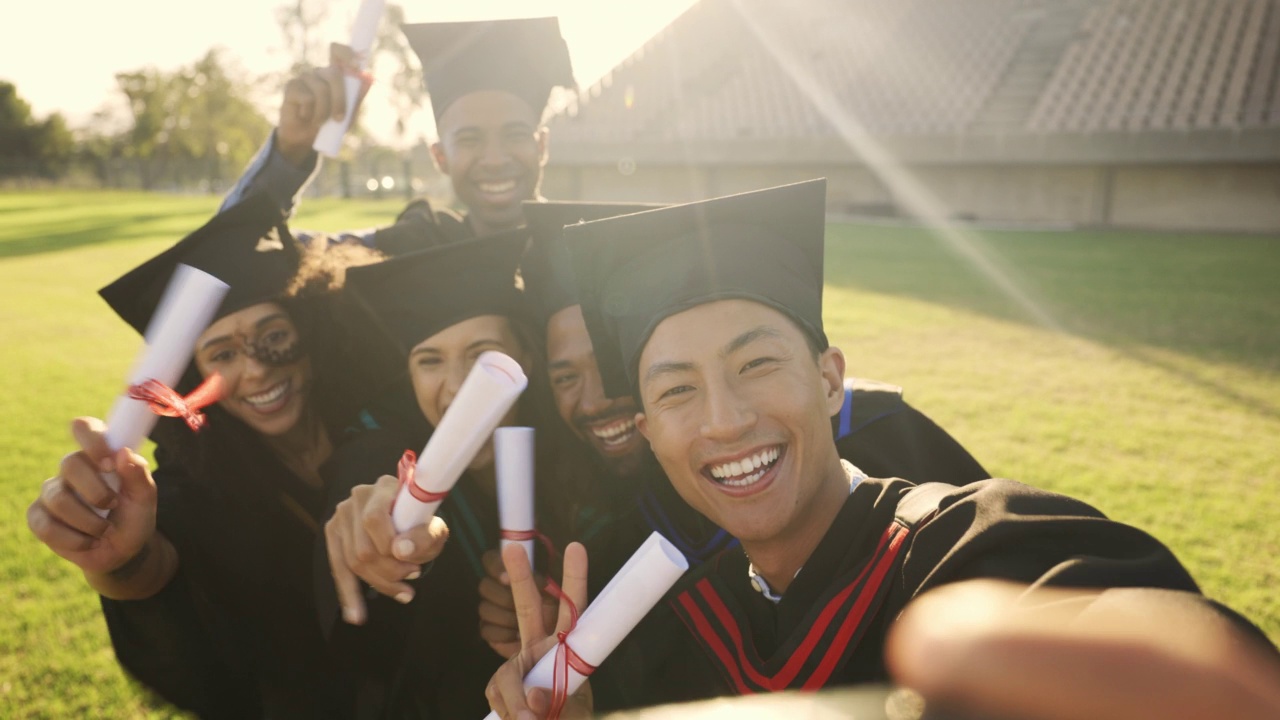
(29, 146)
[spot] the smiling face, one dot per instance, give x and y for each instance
(607, 425)
(266, 376)
(439, 364)
(493, 149)
(737, 411)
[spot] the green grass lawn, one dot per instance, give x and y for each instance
(1154, 392)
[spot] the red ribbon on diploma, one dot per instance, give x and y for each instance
(166, 402)
(406, 470)
(519, 535)
(565, 656)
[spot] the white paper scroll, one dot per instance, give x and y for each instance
(188, 304)
(513, 459)
(628, 597)
(363, 32)
(491, 388)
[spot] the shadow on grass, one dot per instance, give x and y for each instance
(1214, 298)
(124, 229)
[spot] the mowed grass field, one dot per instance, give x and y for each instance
(1141, 374)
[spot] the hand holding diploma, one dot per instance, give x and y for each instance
(363, 544)
(354, 81)
(491, 388)
(548, 676)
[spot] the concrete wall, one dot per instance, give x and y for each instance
(1234, 197)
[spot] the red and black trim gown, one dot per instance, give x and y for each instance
(715, 635)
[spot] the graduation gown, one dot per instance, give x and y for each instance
(425, 659)
(716, 635)
(876, 430)
(234, 633)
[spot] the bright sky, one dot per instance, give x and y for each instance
(100, 39)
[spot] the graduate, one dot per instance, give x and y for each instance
(439, 309)
(712, 316)
(489, 84)
(205, 565)
(875, 429)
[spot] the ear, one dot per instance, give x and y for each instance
(441, 160)
(831, 365)
(543, 136)
(642, 424)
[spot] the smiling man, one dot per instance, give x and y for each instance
(711, 314)
(489, 84)
(875, 429)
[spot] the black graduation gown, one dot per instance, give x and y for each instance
(715, 635)
(420, 226)
(876, 430)
(425, 659)
(234, 633)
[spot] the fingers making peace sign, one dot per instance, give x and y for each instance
(506, 692)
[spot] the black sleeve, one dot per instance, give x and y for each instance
(165, 643)
(168, 642)
(904, 443)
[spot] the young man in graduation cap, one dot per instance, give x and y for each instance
(875, 428)
(489, 84)
(712, 316)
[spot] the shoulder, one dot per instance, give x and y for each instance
(418, 227)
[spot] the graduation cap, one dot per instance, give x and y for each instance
(414, 296)
(525, 57)
(635, 270)
(548, 276)
(247, 246)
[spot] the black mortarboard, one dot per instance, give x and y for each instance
(635, 270)
(247, 246)
(414, 296)
(548, 276)
(525, 57)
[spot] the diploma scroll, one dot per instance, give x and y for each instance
(628, 597)
(188, 304)
(491, 388)
(513, 459)
(363, 32)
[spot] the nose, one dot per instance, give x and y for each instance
(452, 383)
(727, 416)
(494, 152)
(593, 401)
(253, 368)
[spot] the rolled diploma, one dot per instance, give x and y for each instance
(513, 458)
(185, 309)
(628, 597)
(489, 391)
(363, 31)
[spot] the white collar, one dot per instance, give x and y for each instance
(757, 580)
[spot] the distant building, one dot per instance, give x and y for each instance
(1134, 113)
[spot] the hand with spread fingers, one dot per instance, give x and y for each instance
(991, 649)
(122, 556)
(506, 693)
(310, 99)
(363, 545)
(498, 626)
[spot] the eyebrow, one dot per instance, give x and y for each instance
(475, 344)
(746, 338)
(258, 324)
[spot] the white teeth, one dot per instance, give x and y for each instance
(616, 430)
(269, 396)
(497, 187)
(745, 471)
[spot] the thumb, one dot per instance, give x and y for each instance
(134, 473)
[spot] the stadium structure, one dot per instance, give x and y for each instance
(1119, 113)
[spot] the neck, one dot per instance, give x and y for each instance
(304, 448)
(780, 557)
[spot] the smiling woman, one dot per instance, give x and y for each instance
(206, 579)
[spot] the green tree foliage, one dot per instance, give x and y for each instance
(192, 124)
(28, 146)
